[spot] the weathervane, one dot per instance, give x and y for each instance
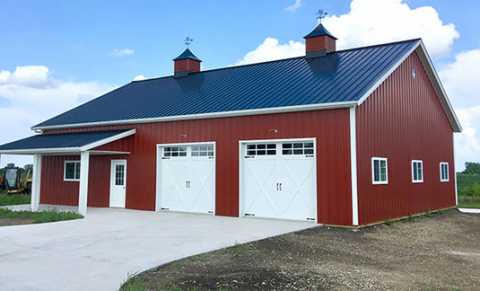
(321, 14)
(188, 41)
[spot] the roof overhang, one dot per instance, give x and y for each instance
(422, 53)
(73, 150)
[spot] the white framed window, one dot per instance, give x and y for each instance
(174, 151)
(203, 150)
(379, 170)
(444, 174)
(71, 171)
(261, 149)
(417, 171)
(297, 148)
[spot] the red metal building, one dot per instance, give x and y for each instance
(347, 138)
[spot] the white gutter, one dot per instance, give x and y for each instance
(310, 107)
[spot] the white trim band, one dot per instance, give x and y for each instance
(283, 109)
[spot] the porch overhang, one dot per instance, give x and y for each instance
(66, 143)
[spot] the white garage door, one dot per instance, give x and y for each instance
(279, 179)
(186, 178)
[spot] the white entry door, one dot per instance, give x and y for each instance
(118, 183)
(186, 178)
(279, 179)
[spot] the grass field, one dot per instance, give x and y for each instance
(14, 199)
(9, 217)
(467, 202)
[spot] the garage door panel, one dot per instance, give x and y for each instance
(187, 178)
(281, 185)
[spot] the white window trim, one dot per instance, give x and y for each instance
(373, 171)
(65, 170)
(413, 169)
(448, 172)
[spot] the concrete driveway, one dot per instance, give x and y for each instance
(102, 250)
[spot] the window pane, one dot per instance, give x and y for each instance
(376, 170)
(119, 175)
(287, 145)
(309, 151)
(69, 171)
(77, 170)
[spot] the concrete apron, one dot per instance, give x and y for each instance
(469, 210)
(102, 250)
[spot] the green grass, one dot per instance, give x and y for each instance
(133, 285)
(14, 199)
(469, 204)
(39, 217)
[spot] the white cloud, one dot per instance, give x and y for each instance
(271, 49)
(33, 95)
(461, 78)
(122, 52)
(25, 75)
(139, 78)
(295, 5)
(462, 85)
(467, 144)
(378, 21)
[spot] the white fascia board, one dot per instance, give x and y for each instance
(438, 83)
(388, 73)
(107, 140)
(236, 113)
(70, 149)
(40, 151)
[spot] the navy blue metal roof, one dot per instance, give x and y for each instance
(65, 140)
(320, 30)
(341, 76)
(187, 54)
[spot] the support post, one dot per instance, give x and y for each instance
(83, 193)
(353, 166)
(36, 180)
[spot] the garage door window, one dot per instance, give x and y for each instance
(297, 148)
(269, 149)
(205, 150)
(176, 151)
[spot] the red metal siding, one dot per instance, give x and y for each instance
(403, 120)
(330, 127)
(56, 191)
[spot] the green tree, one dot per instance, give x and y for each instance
(472, 168)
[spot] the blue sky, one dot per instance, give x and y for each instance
(89, 47)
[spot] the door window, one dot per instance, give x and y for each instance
(119, 175)
(175, 151)
(261, 149)
(204, 150)
(297, 148)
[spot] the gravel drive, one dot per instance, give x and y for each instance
(435, 252)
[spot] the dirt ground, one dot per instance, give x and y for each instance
(438, 252)
(14, 221)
